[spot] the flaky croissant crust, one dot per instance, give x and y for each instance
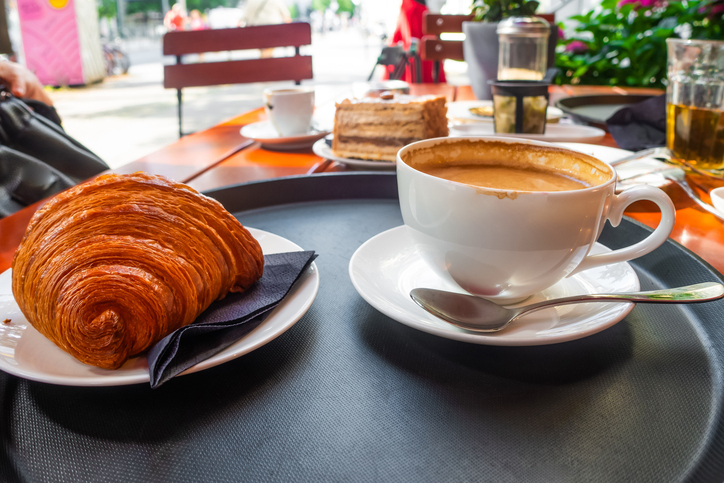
(108, 268)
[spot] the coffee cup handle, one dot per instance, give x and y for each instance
(615, 213)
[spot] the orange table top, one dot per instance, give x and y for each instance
(255, 163)
(220, 157)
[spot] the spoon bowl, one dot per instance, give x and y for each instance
(480, 315)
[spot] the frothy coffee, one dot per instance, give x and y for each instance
(507, 178)
(510, 166)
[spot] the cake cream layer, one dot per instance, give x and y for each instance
(398, 142)
(407, 130)
(375, 119)
(364, 150)
(387, 115)
(375, 128)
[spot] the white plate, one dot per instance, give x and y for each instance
(604, 153)
(323, 150)
(25, 353)
(265, 133)
(554, 132)
(640, 171)
(386, 267)
(460, 111)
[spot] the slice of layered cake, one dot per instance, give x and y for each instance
(377, 127)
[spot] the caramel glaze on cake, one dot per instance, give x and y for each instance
(376, 128)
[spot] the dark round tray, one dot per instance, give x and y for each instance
(594, 110)
(348, 394)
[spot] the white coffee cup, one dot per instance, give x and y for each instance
(290, 110)
(506, 245)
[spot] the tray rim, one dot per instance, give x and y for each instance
(584, 100)
(706, 466)
(383, 191)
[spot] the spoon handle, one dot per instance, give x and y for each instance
(646, 153)
(700, 292)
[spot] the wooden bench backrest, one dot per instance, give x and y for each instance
(436, 24)
(216, 40)
(432, 48)
(296, 68)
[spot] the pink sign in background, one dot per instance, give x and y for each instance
(50, 41)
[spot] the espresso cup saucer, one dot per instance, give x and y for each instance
(387, 267)
(464, 112)
(265, 133)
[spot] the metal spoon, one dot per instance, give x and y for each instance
(661, 154)
(479, 315)
(664, 155)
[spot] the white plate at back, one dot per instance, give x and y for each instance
(460, 111)
(26, 353)
(554, 132)
(631, 173)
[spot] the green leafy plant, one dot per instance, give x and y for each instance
(496, 10)
(321, 5)
(624, 42)
(108, 8)
(345, 6)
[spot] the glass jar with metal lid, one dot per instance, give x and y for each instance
(523, 53)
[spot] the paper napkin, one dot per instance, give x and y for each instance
(227, 320)
(641, 125)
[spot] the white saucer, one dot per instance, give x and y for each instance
(386, 267)
(265, 133)
(25, 353)
(323, 150)
(459, 111)
(554, 132)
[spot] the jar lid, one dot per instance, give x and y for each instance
(524, 26)
(519, 88)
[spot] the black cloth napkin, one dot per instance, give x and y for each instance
(641, 125)
(227, 320)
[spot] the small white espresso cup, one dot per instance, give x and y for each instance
(290, 110)
(506, 245)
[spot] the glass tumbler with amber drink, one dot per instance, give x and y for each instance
(695, 104)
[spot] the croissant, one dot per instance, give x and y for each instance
(108, 268)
